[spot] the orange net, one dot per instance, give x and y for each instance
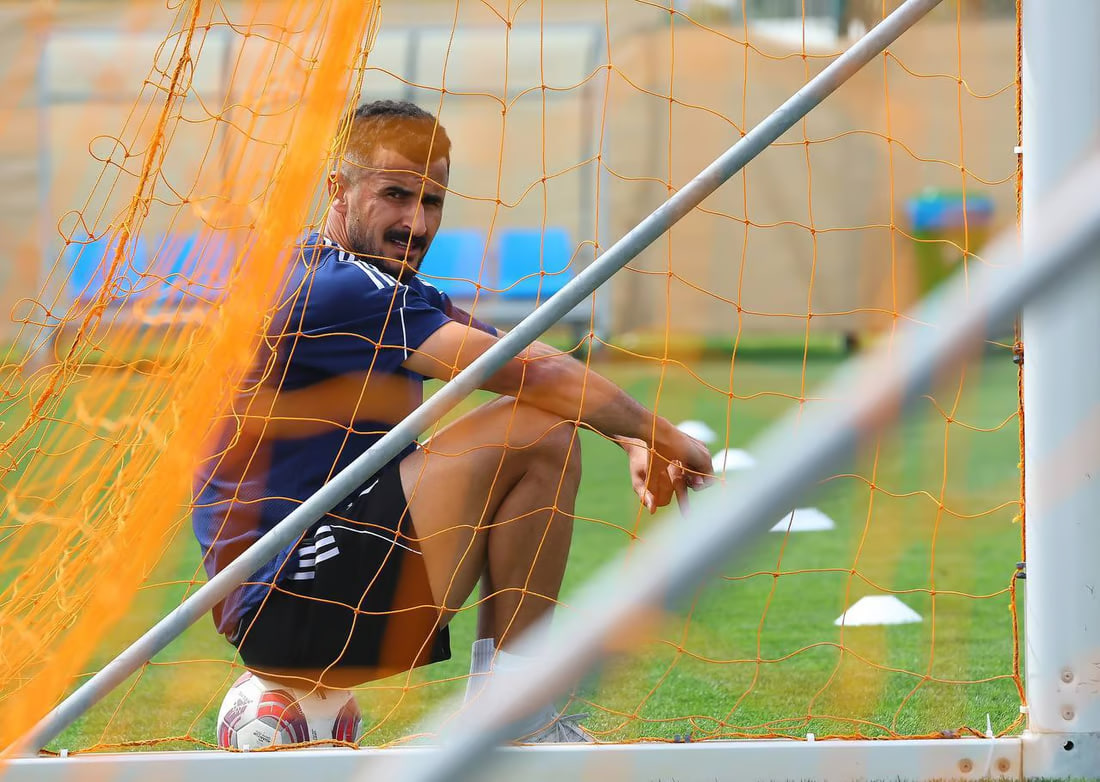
(175, 172)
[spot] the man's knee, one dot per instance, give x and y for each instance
(556, 442)
(532, 438)
(571, 448)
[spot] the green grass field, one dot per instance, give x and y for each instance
(755, 651)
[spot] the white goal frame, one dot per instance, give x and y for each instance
(1054, 275)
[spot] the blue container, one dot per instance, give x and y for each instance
(939, 222)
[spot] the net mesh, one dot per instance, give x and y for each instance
(174, 170)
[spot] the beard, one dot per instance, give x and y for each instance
(394, 264)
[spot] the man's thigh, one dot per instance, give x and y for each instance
(457, 481)
(355, 603)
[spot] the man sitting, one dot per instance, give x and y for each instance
(369, 589)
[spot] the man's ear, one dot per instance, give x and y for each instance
(337, 192)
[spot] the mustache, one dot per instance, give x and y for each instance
(414, 242)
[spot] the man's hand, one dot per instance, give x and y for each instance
(658, 477)
(558, 384)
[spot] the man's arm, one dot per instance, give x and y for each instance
(654, 482)
(553, 381)
(464, 318)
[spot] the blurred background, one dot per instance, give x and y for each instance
(568, 130)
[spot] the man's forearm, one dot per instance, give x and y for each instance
(546, 378)
(555, 382)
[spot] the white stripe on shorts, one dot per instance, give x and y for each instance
(377, 535)
(326, 555)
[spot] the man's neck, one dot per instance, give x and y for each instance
(337, 233)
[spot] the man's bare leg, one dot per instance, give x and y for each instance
(492, 498)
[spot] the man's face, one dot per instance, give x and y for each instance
(393, 211)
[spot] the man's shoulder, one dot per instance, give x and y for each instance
(427, 290)
(340, 285)
(315, 251)
(333, 267)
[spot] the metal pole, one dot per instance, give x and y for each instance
(604, 317)
(794, 456)
(289, 529)
(1061, 116)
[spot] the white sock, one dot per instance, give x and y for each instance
(481, 662)
(507, 663)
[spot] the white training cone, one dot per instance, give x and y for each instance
(805, 520)
(878, 610)
(698, 430)
(732, 459)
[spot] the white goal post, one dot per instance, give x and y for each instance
(1061, 125)
(1057, 275)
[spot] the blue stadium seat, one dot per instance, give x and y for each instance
(194, 266)
(534, 263)
(89, 259)
(159, 274)
(164, 272)
(454, 262)
(82, 261)
(175, 260)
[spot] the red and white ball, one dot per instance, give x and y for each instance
(257, 713)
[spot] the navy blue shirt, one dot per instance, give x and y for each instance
(326, 384)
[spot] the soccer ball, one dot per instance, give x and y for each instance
(257, 713)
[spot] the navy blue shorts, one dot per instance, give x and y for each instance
(353, 602)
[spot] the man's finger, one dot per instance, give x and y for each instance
(681, 495)
(679, 486)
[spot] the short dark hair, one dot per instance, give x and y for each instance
(393, 124)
